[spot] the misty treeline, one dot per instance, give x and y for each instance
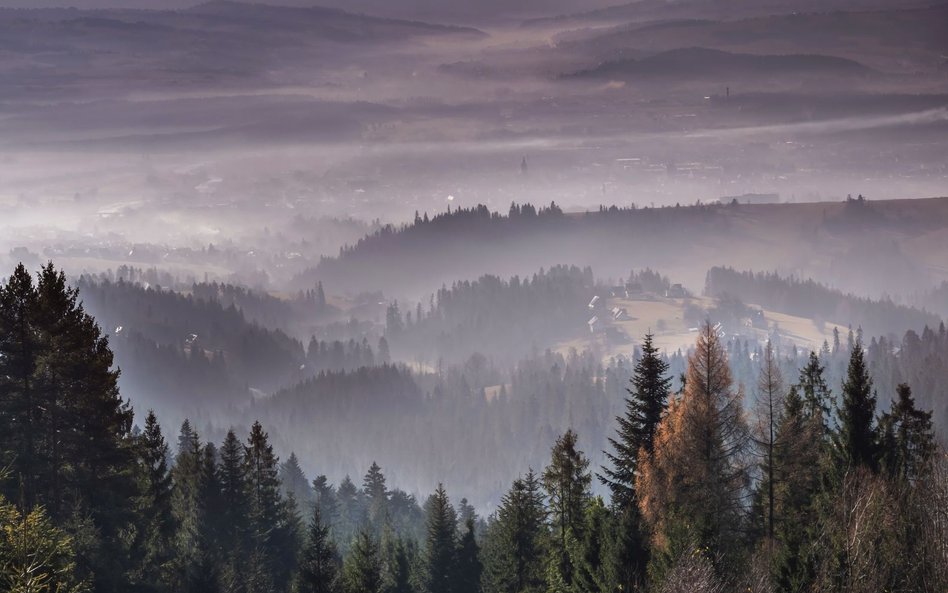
(804, 487)
(505, 318)
(496, 400)
(437, 247)
(812, 300)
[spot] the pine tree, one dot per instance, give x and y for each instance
(320, 562)
(856, 441)
(469, 567)
(567, 481)
(362, 570)
(400, 560)
(441, 543)
(644, 408)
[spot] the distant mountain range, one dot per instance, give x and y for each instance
(699, 62)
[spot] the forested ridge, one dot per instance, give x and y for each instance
(787, 483)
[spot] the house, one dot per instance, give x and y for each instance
(594, 302)
(593, 324)
(620, 314)
(633, 290)
(675, 291)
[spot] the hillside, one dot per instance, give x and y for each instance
(848, 245)
(699, 62)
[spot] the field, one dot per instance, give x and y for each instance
(665, 318)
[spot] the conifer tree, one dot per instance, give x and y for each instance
(293, 481)
(817, 397)
(234, 507)
(441, 543)
(567, 481)
(856, 442)
(399, 565)
(186, 508)
(768, 409)
(643, 411)
(362, 569)
(907, 438)
(376, 493)
(155, 531)
(692, 492)
(469, 567)
(267, 514)
(516, 542)
(797, 459)
(320, 562)
(35, 555)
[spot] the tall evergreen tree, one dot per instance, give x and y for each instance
(293, 481)
(817, 396)
(186, 508)
(154, 542)
(362, 569)
(644, 407)
(907, 438)
(65, 433)
(376, 493)
(267, 515)
(567, 481)
(469, 566)
(441, 543)
(235, 507)
(320, 562)
(516, 541)
(856, 442)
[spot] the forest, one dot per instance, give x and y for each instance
(772, 475)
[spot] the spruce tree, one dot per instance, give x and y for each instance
(516, 541)
(856, 441)
(376, 493)
(293, 481)
(400, 558)
(267, 514)
(154, 542)
(186, 508)
(234, 511)
(817, 396)
(469, 567)
(567, 481)
(644, 407)
(907, 439)
(362, 569)
(320, 562)
(441, 543)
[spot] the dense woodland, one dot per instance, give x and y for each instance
(787, 482)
